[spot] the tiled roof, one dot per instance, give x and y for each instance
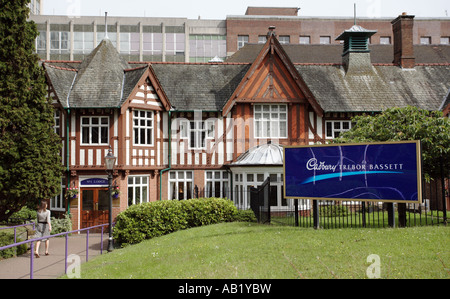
(445, 102)
(385, 87)
(326, 54)
(104, 79)
(101, 80)
(199, 86)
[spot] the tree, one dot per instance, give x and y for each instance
(410, 123)
(30, 163)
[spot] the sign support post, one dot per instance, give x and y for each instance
(391, 214)
(316, 214)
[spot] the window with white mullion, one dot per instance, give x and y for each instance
(59, 41)
(57, 119)
(180, 185)
(217, 184)
(143, 127)
(270, 121)
(336, 127)
(137, 190)
(94, 130)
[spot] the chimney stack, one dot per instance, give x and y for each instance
(402, 28)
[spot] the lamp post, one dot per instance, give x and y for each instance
(110, 160)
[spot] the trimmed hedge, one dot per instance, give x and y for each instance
(154, 219)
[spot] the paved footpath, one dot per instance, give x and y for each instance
(52, 265)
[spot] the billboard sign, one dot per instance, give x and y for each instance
(387, 172)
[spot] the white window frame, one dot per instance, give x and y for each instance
(57, 43)
(284, 39)
(220, 179)
(305, 39)
(270, 120)
(91, 126)
(247, 177)
(425, 40)
(198, 132)
(334, 129)
(181, 180)
(146, 127)
(325, 40)
(262, 39)
(57, 119)
(57, 202)
(242, 41)
(41, 41)
(385, 40)
(445, 40)
(138, 183)
(83, 39)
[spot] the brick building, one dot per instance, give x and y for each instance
(178, 127)
(187, 40)
(294, 29)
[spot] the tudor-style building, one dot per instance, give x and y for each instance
(180, 130)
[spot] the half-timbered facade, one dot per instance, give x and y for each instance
(182, 130)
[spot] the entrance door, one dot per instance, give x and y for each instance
(94, 206)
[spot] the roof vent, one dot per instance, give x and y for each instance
(356, 54)
(356, 39)
(216, 59)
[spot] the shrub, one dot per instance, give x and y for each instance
(24, 215)
(149, 220)
(333, 211)
(245, 216)
(6, 239)
(61, 225)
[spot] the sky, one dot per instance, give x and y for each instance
(218, 10)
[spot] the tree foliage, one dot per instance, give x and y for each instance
(30, 163)
(409, 123)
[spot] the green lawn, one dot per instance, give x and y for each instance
(243, 250)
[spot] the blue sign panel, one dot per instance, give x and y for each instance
(360, 172)
(94, 182)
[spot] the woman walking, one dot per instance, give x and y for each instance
(43, 228)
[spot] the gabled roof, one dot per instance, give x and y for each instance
(315, 72)
(103, 80)
(320, 67)
(272, 78)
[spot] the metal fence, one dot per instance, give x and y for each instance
(340, 214)
(66, 235)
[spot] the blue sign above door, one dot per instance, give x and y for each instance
(94, 182)
(358, 172)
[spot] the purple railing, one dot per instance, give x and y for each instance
(66, 234)
(16, 226)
